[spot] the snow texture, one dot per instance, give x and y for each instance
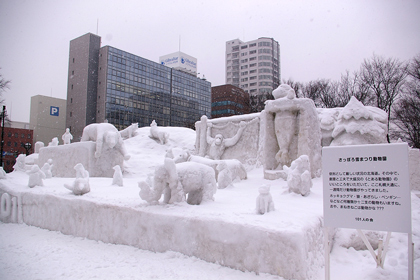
(157, 134)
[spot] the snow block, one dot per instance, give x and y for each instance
(65, 157)
(292, 253)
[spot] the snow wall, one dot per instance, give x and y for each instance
(292, 254)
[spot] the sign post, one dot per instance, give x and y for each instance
(367, 187)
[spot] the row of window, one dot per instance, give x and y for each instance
(226, 103)
(16, 135)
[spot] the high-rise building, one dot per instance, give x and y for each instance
(253, 66)
(109, 84)
(229, 100)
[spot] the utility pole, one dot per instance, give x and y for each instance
(3, 116)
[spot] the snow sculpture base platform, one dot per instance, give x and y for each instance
(286, 242)
(65, 157)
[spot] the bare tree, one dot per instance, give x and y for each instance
(257, 102)
(4, 85)
(385, 80)
(407, 111)
(296, 86)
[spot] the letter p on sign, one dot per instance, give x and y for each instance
(54, 111)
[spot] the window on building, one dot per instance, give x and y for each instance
(252, 84)
(16, 144)
(253, 65)
(252, 52)
(71, 114)
(9, 143)
(252, 45)
(244, 47)
(253, 58)
(29, 136)
(16, 135)
(73, 59)
(71, 86)
(9, 134)
(72, 72)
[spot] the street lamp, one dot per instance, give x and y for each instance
(27, 147)
(2, 116)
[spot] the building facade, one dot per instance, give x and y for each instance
(130, 89)
(253, 66)
(15, 140)
(47, 118)
(229, 100)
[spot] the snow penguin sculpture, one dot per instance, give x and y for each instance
(80, 185)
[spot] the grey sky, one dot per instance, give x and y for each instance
(318, 39)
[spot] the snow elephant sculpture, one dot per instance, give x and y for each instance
(176, 181)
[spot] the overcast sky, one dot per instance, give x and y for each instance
(318, 39)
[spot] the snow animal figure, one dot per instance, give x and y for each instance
(80, 185)
(38, 145)
(2, 173)
(264, 200)
(175, 181)
(47, 169)
(67, 137)
(20, 163)
(218, 144)
(53, 143)
(117, 179)
(224, 176)
(237, 169)
(299, 176)
(35, 177)
(104, 133)
(129, 131)
(155, 133)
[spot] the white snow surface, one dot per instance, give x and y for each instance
(28, 252)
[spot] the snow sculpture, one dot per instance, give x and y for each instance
(117, 179)
(264, 200)
(129, 131)
(67, 137)
(299, 176)
(104, 133)
(236, 168)
(358, 125)
(157, 134)
(2, 173)
(35, 177)
(175, 181)
(80, 185)
(38, 145)
(327, 120)
(224, 176)
(53, 143)
(291, 130)
(20, 163)
(46, 168)
(218, 144)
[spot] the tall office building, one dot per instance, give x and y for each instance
(253, 66)
(108, 84)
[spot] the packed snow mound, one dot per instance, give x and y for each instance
(147, 153)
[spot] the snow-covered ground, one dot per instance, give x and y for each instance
(28, 252)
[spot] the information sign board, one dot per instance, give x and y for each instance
(367, 187)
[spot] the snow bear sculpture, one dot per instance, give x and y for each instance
(157, 134)
(264, 200)
(80, 185)
(130, 131)
(299, 176)
(224, 176)
(104, 133)
(175, 181)
(47, 168)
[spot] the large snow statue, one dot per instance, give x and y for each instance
(36, 177)
(38, 145)
(67, 137)
(157, 134)
(264, 200)
(54, 142)
(80, 185)
(106, 136)
(358, 125)
(117, 178)
(291, 129)
(47, 169)
(218, 144)
(20, 163)
(175, 181)
(299, 176)
(129, 131)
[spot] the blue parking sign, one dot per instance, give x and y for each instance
(54, 111)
